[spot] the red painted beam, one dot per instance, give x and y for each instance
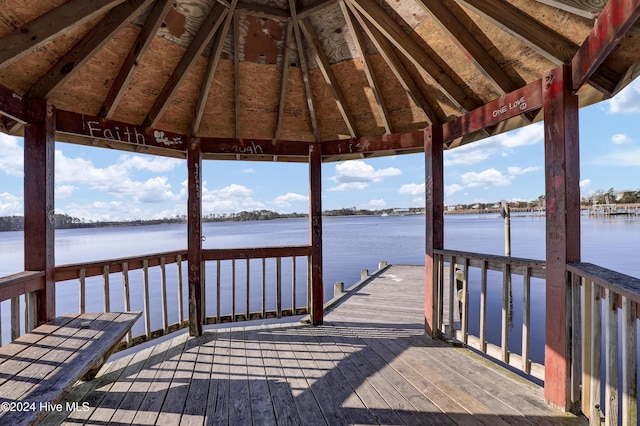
(102, 128)
(525, 99)
(616, 19)
(249, 147)
(562, 189)
(13, 105)
(434, 198)
(315, 233)
(392, 142)
(194, 238)
(39, 144)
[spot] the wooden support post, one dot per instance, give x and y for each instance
(315, 229)
(562, 175)
(39, 148)
(194, 237)
(434, 197)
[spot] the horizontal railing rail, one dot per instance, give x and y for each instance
(457, 284)
(21, 287)
(612, 339)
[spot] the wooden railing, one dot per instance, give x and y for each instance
(459, 273)
(17, 287)
(161, 294)
(613, 341)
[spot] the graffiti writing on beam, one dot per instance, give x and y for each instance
(129, 134)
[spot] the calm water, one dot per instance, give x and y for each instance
(350, 245)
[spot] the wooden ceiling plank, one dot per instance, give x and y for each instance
(329, 77)
(260, 11)
(52, 24)
(212, 65)
(13, 106)
(202, 37)
(401, 73)
(305, 69)
(139, 48)
(90, 44)
(283, 81)
(236, 70)
(412, 50)
(469, 45)
(614, 22)
(316, 7)
(368, 67)
(518, 24)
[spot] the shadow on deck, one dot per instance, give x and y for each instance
(369, 364)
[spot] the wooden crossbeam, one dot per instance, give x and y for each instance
(283, 81)
(613, 23)
(202, 37)
(13, 105)
(89, 45)
(137, 51)
(52, 24)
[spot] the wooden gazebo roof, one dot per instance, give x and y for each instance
(232, 73)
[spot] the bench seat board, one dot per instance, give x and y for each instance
(39, 367)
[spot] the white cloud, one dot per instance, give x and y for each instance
(288, 198)
(618, 159)
(11, 156)
(452, 189)
(377, 203)
(65, 191)
(477, 152)
(620, 139)
(517, 171)
(627, 101)
(10, 204)
(231, 198)
(585, 187)
(152, 164)
(412, 189)
(248, 171)
(485, 179)
(357, 174)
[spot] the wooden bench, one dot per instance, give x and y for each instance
(38, 368)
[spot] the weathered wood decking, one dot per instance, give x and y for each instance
(369, 364)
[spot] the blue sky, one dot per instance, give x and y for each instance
(101, 184)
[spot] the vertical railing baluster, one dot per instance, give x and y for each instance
(452, 284)
(629, 363)
(504, 340)
(465, 301)
(145, 297)
(126, 295)
(440, 284)
(264, 287)
(293, 285)
(203, 286)
(105, 282)
(596, 354)
(483, 306)
(248, 289)
(308, 283)
(83, 291)
(279, 286)
(218, 285)
(180, 299)
(437, 319)
(233, 289)
(30, 311)
(587, 334)
(526, 318)
(15, 317)
(576, 374)
(611, 342)
(163, 294)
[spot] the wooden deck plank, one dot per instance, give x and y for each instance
(357, 368)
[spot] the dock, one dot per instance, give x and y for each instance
(370, 363)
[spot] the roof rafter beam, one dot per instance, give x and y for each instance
(469, 45)
(310, 10)
(329, 77)
(91, 43)
(212, 65)
(388, 53)
(52, 24)
(368, 67)
(305, 70)
(614, 22)
(412, 50)
(236, 71)
(581, 8)
(283, 80)
(553, 46)
(139, 48)
(202, 37)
